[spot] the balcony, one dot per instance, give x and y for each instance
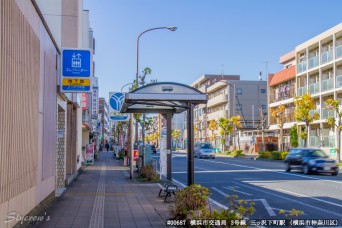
(283, 93)
(217, 114)
(315, 141)
(302, 90)
(326, 56)
(327, 84)
(301, 67)
(314, 88)
(338, 81)
(313, 62)
(220, 99)
(339, 51)
(329, 141)
(312, 112)
(327, 113)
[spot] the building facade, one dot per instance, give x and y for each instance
(282, 91)
(104, 114)
(319, 72)
(250, 97)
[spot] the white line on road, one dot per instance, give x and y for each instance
(289, 199)
(263, 201)
(223, 171)
(275, 171)
(201, 168)
(266, 205)
(234, 190)
(301, 195)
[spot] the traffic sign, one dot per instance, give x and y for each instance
(76, 71)
(115, 102)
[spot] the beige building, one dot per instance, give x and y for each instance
(319, 72)
(40, 141)
(282, 91)
(251, 96)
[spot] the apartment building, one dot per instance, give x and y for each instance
(282, 91)
(250, 97)
(104, 114)
(319, 72)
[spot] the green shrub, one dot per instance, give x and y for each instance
(147, 171)
(190, 198)
(266, 155)
(228, 152)
(236, 210)
(275, 155)
(238, 153)
(283, 155)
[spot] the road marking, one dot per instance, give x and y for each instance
(275, 171)
(301, 195)
(234, 190)
(289, 199)
(201, 168)
(263, 201)
(222, 171)
(266, 205)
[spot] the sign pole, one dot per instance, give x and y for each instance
(131, 144)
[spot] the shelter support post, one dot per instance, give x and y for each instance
(131, 145)
(168, 146)
(190, 128)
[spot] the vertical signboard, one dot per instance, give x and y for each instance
(84, 101)
(95, 100)
(89, 154)
(115, 102)
(76, 71)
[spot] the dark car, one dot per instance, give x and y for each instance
(154, 149)
(310, 160)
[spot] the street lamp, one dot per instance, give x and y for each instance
(132, 83)
(171, 28)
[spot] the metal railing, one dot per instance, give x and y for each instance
(312, 112)
(282, 94)
(313, 62)
(329, 141)
(327, 84)
(327, 113)
(327, 56)
(314, 88)
(315, 141)
(339, 51)
(301, 67)
(338, 81)
(302, 90)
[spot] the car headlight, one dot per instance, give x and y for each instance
(312, 162)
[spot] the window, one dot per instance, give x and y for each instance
(263, 106)
(263, 91)
(238, 91)
(238, 106)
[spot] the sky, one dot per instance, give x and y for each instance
(213, 37)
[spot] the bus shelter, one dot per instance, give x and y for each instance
(168, 98)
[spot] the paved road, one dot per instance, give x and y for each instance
(266, 183)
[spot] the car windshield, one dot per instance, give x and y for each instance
(206, 146)
(316, 153)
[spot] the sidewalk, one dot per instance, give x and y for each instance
(104, 196)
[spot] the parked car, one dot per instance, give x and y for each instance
(154, 149)
(204, 150)
(310, 160)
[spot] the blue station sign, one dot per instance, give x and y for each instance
(76, 70)
(115, 102)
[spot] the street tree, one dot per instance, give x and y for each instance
(236, 121)
(176, 135)
(213, 127)
(281, 117)
(304, 105)
(226, 127)
(294, 136)
(332, 104)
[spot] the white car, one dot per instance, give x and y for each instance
(204, 150)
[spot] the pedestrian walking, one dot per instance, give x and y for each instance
(107, 146)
